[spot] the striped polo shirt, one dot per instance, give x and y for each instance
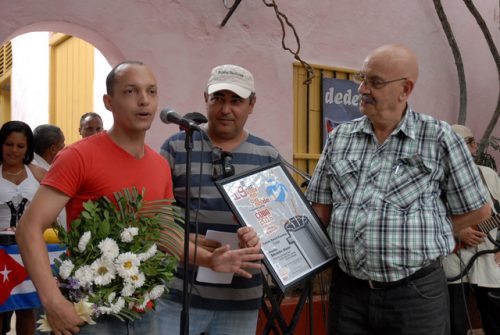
(214, 214)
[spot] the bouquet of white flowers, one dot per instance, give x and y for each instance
(120, 257)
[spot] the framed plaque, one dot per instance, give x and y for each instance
(294, 242)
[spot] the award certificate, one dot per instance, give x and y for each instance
(294, 242)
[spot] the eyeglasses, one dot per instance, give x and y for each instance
(221, 164)
(373, 82)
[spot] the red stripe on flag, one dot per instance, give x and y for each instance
(11, 274)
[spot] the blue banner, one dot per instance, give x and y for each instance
(340, 101)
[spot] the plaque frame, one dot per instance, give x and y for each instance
(294, 242)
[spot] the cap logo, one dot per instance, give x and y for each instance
(230, 73)
(233, 78)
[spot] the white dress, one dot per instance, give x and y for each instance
(10, 192)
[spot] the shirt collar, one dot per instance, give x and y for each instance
(405, 126)
(41, 161)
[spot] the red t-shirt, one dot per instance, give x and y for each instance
(96, 166)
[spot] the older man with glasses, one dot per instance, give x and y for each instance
(222, 149)
(391, 187)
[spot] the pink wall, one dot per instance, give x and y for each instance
(182, 41)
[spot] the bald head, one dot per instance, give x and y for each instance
(396, 59)
(388, 77)
(116, 71)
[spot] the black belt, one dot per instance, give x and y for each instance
(378, 285)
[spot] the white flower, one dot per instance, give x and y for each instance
(148, 254)
(118, 305)
(109, 248)
(104, 310)
(127, 290)
(127, 235)
(65, 269)
(127, 264)
(104, 271)
(84, 275)
(156, 292)
(83, 309)
(136, 280)
(84, 240)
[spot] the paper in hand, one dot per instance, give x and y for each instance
(205, 274)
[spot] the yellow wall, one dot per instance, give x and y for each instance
(307, 124)
(71, 83)
(5, 108)
(5, 82)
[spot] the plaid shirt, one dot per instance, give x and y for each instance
(391, 202)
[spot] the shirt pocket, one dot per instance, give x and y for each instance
(409, 182)
(344, 175)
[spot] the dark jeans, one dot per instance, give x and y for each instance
(420, 306)
(488, 304)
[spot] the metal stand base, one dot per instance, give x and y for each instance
(276, 322)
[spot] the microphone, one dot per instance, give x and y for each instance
(168, 116)
(196, 117)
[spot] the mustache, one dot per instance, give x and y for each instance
(366, 98)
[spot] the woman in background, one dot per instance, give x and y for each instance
(19, 181)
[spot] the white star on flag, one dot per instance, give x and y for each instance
(5, 273)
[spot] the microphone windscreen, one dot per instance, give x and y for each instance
(164, 114)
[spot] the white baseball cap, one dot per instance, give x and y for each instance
(463, 131)
(233, 78)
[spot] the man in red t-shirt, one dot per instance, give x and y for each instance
(99, 166)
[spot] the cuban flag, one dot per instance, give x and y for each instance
(17, 291)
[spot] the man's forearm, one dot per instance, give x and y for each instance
(463, 221)
(203, 256)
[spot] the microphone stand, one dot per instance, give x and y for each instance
(188, 145)
(301, 173)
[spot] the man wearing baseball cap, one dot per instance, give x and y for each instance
(224, 148)
(232, 78)
(484, 276)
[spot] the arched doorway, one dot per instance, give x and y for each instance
(56, 77)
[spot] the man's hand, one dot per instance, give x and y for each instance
(202, 242)
(247, 236)
(225, 260)
(62, 317)
(471, 237)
